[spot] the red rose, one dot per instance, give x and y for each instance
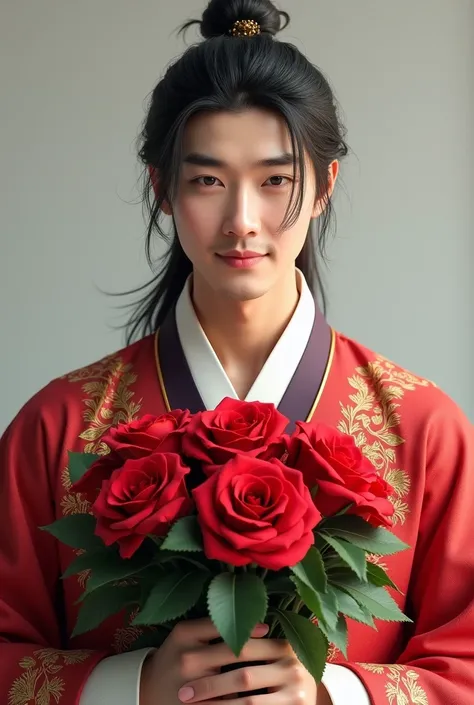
(143, 497)
(256, 511)
(234, 427)
(149, 434)
(331, 461)
(134, 440)
(90, 483)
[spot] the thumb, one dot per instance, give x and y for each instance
(259, 631)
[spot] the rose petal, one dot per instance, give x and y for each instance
(237, 514)
(240, 539)
(129, 523)
(159, 522)
(278, 560)
(216, 549)
(130, 545)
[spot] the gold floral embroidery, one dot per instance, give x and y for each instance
(402, 687)
(373, 668)
(125, 637)
(109, 401)
(72, 503)
(39, 684)
(83, 577)
(333, 654)
(373, 421)
(377, 560)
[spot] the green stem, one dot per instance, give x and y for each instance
(273, 624)
(325, 549)
(284, 604)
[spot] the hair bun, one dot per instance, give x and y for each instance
(220, 16)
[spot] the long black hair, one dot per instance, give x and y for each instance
(231, 73)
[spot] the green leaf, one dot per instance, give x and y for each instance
(340, 573)
(169, 557)
(329, 606)
(306, 640)
(375, 599)
(358, 532)
(377, 576)
(185, 535)
(102, 604)
(79, 463)
(311, 570)
(237, 602)
(111, 568)
(322, 605)
(337, 636)
(353, 556)
(350, 608)
(173, 595)
(86, 561)
(76, 531)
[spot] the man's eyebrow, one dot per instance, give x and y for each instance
(205, 160)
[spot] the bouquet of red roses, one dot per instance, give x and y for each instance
(222, 514)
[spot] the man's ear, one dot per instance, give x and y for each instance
(165, 206)
(320, 204)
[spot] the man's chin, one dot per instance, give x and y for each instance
(243, 291)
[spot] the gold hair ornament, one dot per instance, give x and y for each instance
(245, 28)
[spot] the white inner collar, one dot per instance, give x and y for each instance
(210, 377)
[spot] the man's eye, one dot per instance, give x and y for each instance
(206, 180)
(279, 180)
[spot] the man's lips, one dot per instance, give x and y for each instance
(245, 254)
(241, 260)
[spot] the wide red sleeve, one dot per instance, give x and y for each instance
(437, 664)
(34, 668)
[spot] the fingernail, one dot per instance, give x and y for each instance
(186, 693)
(262, 628)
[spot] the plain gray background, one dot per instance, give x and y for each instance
(74, 78)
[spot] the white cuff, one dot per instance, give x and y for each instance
(343, 686)
(116, 680)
